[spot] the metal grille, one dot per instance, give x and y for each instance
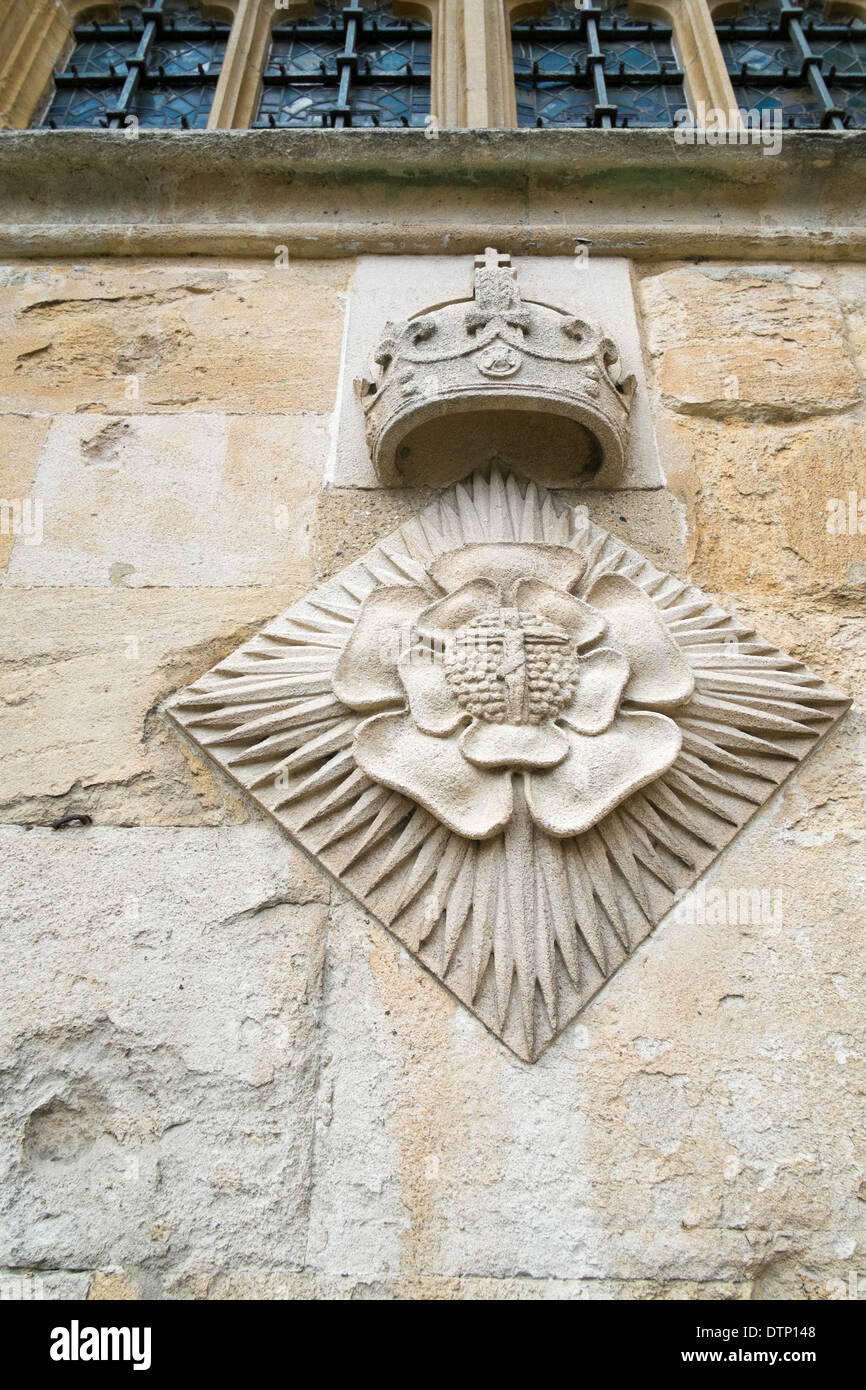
(789, 58)
(595, 66)
(158, 63)
(352, 66)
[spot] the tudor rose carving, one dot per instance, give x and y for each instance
(442, 726)
(509, 673)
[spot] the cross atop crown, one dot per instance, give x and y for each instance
(493, 259)
(497, 297)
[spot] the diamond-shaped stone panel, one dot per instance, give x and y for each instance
(523, 927)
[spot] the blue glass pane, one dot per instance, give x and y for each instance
(304, 55)
(405, 105)
(182, 54)
(173, 106)
(767, 67)
(297, 106)
(386, 83)
(81, 106)
(557, 46)
(97, 59)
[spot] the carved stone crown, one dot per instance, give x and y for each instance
(495, 353)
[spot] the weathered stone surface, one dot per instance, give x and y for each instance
(635, 193)
(651, 1144)
(763, 506)
(694, 1135)
(187, 335)
(214, 500)
(828, 796)
(761, 343)
(848, 283)
(83, 674)
(21, 438)
(468, 1288)
(350, 520)
(159, 1051)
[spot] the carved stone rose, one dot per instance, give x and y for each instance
(509, 673)
(512, 739)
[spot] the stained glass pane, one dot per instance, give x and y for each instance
(178, 55)
(798, 61)
(81, 106)
(595, 65)
(347, 65)
(91, 59)
(174, 106)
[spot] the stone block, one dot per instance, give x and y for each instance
(159, 1046)
(83, 673)
(115, 336)
(762, 344)
(779, 510)
(692, 1130)
(157, 500)
(21, 515)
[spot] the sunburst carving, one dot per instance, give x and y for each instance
(524, 926)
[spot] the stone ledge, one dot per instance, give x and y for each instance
(326, 193)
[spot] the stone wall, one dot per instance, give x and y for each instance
(221, 1078)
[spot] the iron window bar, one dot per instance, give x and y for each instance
(807, 68)
(599, 75)
(348, 83)
(144, 70)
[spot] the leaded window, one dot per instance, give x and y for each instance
(791, 59)
(352, 65)
(158, 63)
(595, 66)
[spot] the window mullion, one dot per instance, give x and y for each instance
(604, 114)
(812, 63)
(347, 65)
(136, 65)
(708, 85)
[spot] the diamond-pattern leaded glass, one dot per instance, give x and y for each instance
(595, 65)
(353, 64)
(158, 63)
(794, 60)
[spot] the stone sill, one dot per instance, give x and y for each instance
(327, 193)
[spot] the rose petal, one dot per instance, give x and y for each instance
(507, 562)
(660, 676)
(433, 772)
(433, 706)
(451, 612)
(603, 673)
(365, 676)
(601, 771)
(576, 617)
(514, 745)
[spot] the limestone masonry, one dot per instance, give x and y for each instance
(231, 1067)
